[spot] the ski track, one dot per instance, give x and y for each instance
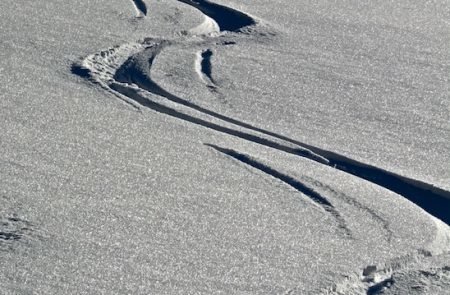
(135, 95)
(136, 70)
(316, 197)
(106, 69)
(126, 72)
(141, 7)
(384, 224)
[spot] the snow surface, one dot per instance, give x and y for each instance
(251, 147)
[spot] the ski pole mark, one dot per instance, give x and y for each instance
(316, 197)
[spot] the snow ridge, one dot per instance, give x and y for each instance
(208, 27)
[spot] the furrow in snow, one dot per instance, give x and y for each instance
(141, 7)
(432, 199)
(135, 94)
(136, 70)
(316, 197)
(228, 19)
(384, 224)
(203, 66)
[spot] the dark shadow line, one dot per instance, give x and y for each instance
(141, 6)
(380, 287)
(205, 64)
(227, 18)
(316, 197)
(9, 236)
(79, 70)
(136, 70)
(134, 95)
(430, 198)
(434, 200)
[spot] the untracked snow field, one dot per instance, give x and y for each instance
(224, 147)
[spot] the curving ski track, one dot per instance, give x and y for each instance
(126, 71)
(316, 197)
(384, 224)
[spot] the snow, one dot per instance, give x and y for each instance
(158, 147)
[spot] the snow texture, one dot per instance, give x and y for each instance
(257, 147)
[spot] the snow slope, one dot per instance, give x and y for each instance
(222, 147)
